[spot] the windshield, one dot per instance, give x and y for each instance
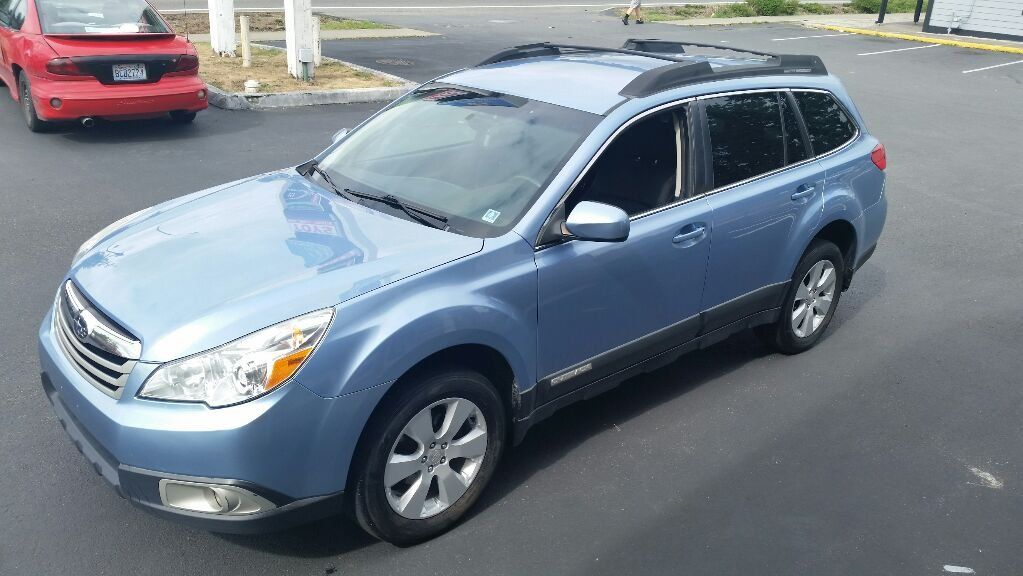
(478, 158)
(99, 17)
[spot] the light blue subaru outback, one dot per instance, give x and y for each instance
(369, 331)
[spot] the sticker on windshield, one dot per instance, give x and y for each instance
(491, 216)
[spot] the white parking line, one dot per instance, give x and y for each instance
(995, 66)
(898, 50)
(804, 37)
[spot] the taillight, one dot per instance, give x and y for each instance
(64, 67)
(187, 63)
(879, 158)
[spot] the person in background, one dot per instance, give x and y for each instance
(634, 10)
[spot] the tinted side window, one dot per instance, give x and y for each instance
(17, 14)
(637, 172)
(826, 121)
(795, 148)
(5, 7)
(746, 136)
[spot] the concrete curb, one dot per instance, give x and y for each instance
(361, 34)
(924, 39)
(263, 100)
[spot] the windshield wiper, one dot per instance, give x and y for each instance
(314, 167)
(395, 202)
(389, 199)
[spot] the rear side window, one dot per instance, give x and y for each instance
(18, 14)
(828, 124)
(746, 135)
(12, 13)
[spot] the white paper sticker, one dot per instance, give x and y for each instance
(491, 216)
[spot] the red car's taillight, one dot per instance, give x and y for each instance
(879, 157)
(64, 67)
(187, 63)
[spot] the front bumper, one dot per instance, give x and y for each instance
(291, 448)
(81, 98)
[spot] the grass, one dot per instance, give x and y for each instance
(770, 8)
(333, 23)
(270, 68)
(199, 22)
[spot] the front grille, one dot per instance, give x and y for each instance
(101, 351)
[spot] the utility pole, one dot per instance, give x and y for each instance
(298, 35)
(222, 27)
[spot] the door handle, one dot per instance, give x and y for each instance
(803, 191)
(694, 234)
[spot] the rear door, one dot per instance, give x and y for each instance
(766, 191)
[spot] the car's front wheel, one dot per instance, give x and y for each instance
(28, 108)
(431, 449)
(811, 300)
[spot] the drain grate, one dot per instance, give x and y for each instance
(395, 62)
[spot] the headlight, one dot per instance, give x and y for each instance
(243, 369)
(98, 236)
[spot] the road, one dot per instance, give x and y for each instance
(419, 6)
(891, 448)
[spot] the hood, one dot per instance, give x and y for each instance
(69, 45)
(189, 276)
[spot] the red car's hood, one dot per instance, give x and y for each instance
(113, 44)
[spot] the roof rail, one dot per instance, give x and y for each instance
(549, 49)
(677, 47)
(681, 71)
(691, 72)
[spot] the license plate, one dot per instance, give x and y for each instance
(129, 72)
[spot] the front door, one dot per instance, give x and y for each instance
(606, 306)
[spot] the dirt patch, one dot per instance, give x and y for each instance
(270, 68)
(199, 22)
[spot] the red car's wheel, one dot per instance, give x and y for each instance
(27, 107)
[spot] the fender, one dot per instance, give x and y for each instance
(381, 335)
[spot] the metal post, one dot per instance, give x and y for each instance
(246, 47)
(317, 46)
(222, 27)
(880, 14)
(916, 12)
(298, 34)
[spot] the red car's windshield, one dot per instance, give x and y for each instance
(99, 17)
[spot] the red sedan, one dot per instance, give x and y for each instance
(86, 59)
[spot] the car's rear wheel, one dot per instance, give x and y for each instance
(430, 450)
(28, 108)
(811, 300)
(182, 117)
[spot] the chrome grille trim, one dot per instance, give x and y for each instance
(92, 357)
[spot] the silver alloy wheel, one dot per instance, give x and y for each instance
(814, 296)
(435, 458)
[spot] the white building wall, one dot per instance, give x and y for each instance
(988, 16)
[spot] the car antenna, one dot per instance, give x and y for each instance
(184, 9)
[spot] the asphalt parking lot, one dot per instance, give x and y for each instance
(891, 448)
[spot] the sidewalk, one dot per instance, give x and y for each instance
(359, 34)
(899, 26)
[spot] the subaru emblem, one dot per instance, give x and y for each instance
(80, 325)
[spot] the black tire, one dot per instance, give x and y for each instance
(370, 504)
(28, 108)
(782, 335)
(180, 117)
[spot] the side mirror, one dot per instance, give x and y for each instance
(598, 222)
(338, 135)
